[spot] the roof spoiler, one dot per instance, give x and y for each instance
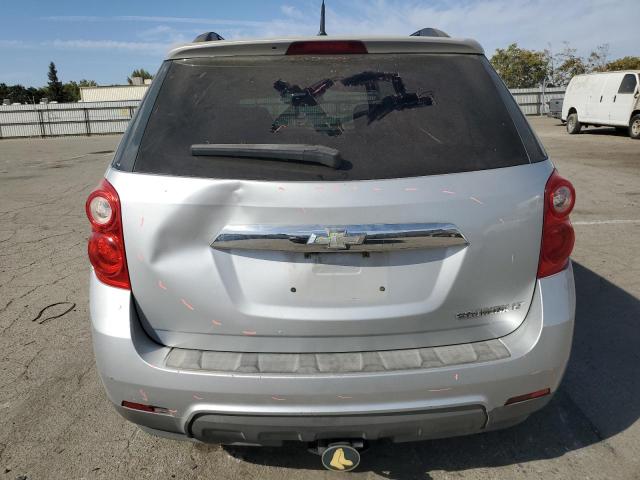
(207, 37)
(429, 32)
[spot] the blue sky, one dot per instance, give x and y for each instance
(105, 40)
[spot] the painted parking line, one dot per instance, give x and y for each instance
(604, 222)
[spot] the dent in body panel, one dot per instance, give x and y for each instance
(329, 305)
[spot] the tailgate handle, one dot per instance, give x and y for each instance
(378, 237)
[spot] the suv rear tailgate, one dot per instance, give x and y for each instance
(194, 296)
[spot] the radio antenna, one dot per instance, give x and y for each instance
(322, 32)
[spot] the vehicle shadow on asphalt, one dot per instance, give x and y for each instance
(597, 399)
(606, 131)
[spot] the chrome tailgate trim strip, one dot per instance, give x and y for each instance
(339, 238)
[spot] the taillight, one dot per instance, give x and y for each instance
(106, 244)
(557, 233)
(327, 47)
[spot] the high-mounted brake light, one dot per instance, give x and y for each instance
(106, 244)
(558, 236)
(327, 47)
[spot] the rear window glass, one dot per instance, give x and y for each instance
(389, 116)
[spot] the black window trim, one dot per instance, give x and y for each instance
(127, 151)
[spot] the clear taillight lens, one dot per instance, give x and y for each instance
(100, 210)
(562, 199)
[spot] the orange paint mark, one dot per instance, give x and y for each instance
(476, 200)
(344, 397)
(186, 304)
(161, 285)
(410, 189)
(140, 257)
(456, 376)
(281, 189)
(141, 221)
(376, 189)
(273, 397)
(143, 394)
(439, 389)
(197, 397)
(216, 323)
(448, 192)
(249, 332)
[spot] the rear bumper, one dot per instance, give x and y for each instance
(267, 409)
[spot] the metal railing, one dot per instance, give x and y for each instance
(97, 118)
(533, 101)
(58, 119)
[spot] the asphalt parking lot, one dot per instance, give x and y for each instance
(56, 423)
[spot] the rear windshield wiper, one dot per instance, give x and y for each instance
(327, 156)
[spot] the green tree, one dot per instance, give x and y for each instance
(598, 59)
(624, 63)
(521, 68)
(139, 72)
(55, 89)
(20, 94)
(87, 83)
(567, 64)
(71, 92)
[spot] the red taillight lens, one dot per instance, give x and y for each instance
(558, 236)
(105, 253)
(106, 244)
(327, 47)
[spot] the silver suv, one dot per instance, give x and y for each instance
(330, 240)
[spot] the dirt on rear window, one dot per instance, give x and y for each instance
(389, 116)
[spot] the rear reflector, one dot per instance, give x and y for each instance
(145, 408)
(327, 47)
(528, 396)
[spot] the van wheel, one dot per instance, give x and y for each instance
(573, 125)
(634, 127)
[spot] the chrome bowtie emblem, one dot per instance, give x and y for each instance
(336, 239)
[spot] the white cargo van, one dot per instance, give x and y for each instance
(603, 99)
